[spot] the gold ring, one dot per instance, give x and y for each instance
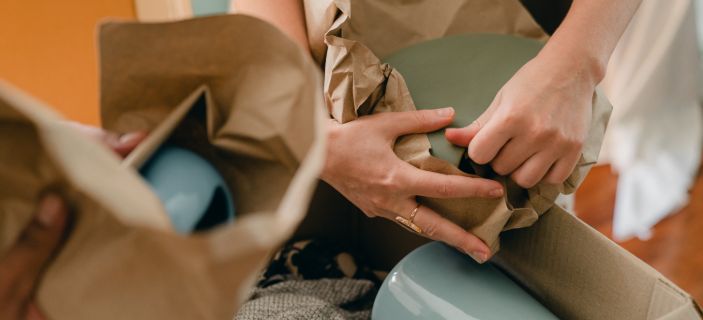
(408, 223)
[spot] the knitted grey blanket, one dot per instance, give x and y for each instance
(323, 299)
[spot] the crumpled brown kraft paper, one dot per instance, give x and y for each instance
(234, 89)
(357, 83)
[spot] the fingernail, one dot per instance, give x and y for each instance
(496, 193)
(445, 112)
(49, 208)
(481, 257)
(131, 137)
(111, 139)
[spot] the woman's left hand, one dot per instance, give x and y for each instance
(535, 127)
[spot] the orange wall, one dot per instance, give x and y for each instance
(47, 47)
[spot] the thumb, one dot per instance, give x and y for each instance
(463, 136)
(22, 266)
(126, 142)
(120, 144)
(39, 240)
(420, 121)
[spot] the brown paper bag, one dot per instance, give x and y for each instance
(357, 83)
(232, 88)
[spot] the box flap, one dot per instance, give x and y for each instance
(580, 274)
(669, 302)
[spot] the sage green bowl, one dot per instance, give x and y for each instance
(464, 72)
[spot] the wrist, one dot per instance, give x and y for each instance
(332, 128)
(576, 60)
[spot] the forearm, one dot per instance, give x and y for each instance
(286, 15)
(589, 33)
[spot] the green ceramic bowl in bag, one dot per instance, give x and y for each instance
(193, 192)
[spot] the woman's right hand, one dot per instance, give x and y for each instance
(362, 166)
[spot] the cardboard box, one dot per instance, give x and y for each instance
(574, 270)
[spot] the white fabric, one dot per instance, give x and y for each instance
(654, 137)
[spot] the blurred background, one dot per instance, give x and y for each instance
(646, 193)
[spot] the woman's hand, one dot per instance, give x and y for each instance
(362, 166)
(121, 144)
(22, 266)
(535, 127)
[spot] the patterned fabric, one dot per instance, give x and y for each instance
(313, 279)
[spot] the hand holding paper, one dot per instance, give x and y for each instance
(362, 166)
(536, 126)
(22, 266)
(121, 144)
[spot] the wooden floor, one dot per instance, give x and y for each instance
(676, 246)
